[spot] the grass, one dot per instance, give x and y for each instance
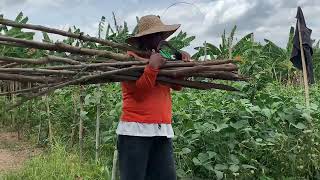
(59, 164)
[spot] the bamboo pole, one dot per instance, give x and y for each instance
(304, 68)
(98, 113)
(39, 130)
(12, 88)
(115, 165)
(50, 136)
(230, 47)
(205, 50)
(75, 115)
(81, 123)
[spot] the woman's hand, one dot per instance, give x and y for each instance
(156, 60)
(185, 56)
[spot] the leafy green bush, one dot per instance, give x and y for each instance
(226, 135)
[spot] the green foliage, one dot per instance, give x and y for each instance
(228, 135)
(268, 61)
(16, 33)
(181, 40)
(316, 60)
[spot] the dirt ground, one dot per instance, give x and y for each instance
(14, 152)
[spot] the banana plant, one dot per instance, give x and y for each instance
(16, 33)
(279, 58)
(316, 60)
(181, 40)
(226, 49)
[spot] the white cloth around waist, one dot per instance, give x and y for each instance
(144, 129)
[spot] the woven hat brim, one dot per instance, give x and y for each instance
(167, 31)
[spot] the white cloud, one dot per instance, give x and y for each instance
(269, 19)
(234, 9)
(48, 3)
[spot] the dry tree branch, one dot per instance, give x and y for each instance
(80, 36)
(42, 60)
(25, 78)
(61, 47)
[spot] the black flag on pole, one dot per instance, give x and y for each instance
(307, 46)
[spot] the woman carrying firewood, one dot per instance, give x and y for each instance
(144, 131)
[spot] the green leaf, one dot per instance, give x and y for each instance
(314, 106)
(19, 17)
(203, 157)
(208, 167)
(246, 166)
(199, 102)
(219, 174)
(299, 126)
(234, 168)
(239, 124)
(220, 167)
(181, 173)
(83, 114)
(46, 37)
(24, 20)
(196, 162)
(266, 112)
(307, 116)
(234, 159)
(220, 127)
(87, 99)
(255, 108)
(186, 151)
(211, 154)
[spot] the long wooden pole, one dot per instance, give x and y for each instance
(50, 136)
(304, 68)
(79, 36)
(81, 123)
(114, 174)
(205, 50)
(98, 123)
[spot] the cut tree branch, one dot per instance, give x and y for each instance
(43, 60)
(79, 36)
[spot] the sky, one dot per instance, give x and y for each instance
(206, 19)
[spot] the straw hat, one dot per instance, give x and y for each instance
(151, 24)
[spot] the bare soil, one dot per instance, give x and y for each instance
(14, 152)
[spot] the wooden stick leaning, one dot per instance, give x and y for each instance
(304, 68)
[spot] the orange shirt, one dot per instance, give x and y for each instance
(146, 100)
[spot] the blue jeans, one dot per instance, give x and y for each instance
(146, 158)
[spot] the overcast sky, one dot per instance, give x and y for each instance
(206, 19)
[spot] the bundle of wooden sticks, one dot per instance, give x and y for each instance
(91, 66)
